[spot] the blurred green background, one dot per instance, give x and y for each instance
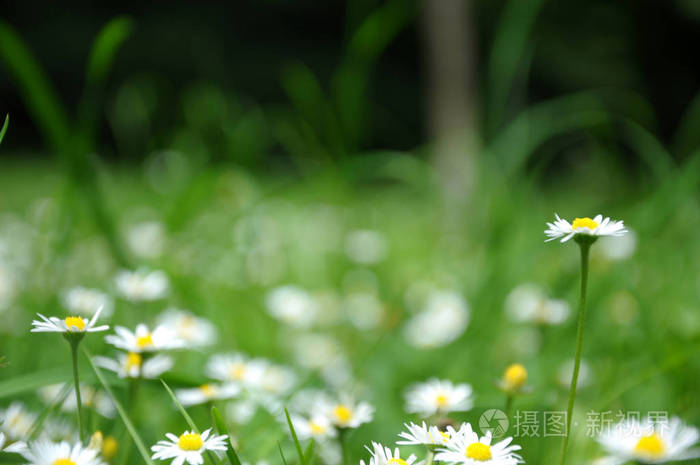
(260, 136)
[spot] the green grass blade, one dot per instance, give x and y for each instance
(284, 460)
(105, 48)
(31, 382)
(297, 444)
(41, 99)
(4, 128)
(122, 413)
(58, 400)
(309, 453)
(221, 428)
(187, 417)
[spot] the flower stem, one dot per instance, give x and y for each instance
(509, 404)
(76, 381)
(342, 437)
(429, 458)
(585, 248)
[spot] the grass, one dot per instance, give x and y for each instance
(221, 218)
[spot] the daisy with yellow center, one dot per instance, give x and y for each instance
(425, 435)
(593, 228)
(61, 453)
(194, 330)
(188, 447)
(438, 397)
(346, 413)
(135, 365)
(206, 393)
(316, 427)
(466, 447)
(142, 339)
(649, 441)
(70, 324)
(385, 456)
(237, 368)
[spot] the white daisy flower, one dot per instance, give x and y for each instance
(206, 393)
(144, 340)
(57, 430)
(6, 446)
(424, 434)
(346, 412)
(385, 456)
(61, 453)
(133, 365)
(142, 285)
(16, 421)
(277, 380)
(465, 447)
(443, 319)
(236, 368)
(193, 330)
(438, 397)
(189, 447)
(315, 427)
(71, 324)
(528, 303)
(146, 239)
(86, 302)
(292, 305)
(596, 227)
(647, 441)
(90, 396)
(365, 246)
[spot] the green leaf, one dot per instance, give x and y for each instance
(284, 460)
(31, 382)
(297, 444)
(122, 413)
(11, 457)
(308, 453)
(4, 128)
(105, 48)
(221, 428)
(187, 417)
(41, 99)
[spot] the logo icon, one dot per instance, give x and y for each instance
(495, 421)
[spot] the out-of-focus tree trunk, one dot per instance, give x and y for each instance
(448, 37)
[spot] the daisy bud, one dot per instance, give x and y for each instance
(514, 378)
(109, 447)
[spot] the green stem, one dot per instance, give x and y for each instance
(429, 458)
(76, 381)
(342, 437)
(585, 248)
(134, 384)
(509, 404)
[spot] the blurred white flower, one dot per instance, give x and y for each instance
(444, 319)
(6, 446)
(437, 396)
(143, 339)
(528, 303)
(315, 351)
(277, 380)
(133, 365)
(649, 441)
(241, 411)
(61, 453)
(206, 393)
(193, 330)
(345, 412)
(8, 287)
(147, 239)
(566, 372)
(142, 285)
(314, 427)
(364, 310)
(237, 368)
(620, 248)
(90, 396)
(423, 435)
(366, 246)
(385, 456)
(85, 301)
(292, 305)
(58, 429)
(596, 227)
(16, 421)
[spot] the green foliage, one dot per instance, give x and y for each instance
(4, 127)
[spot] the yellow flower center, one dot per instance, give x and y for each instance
(515, 377)
(584, 223)
(342, 413)
(445, 436)
(479, 451)
(133, 360)
(441, 400)
(316, 428)
(63, 462)
(208, 390)
(238, 371)
(144, 341)
(109, 447)
(75, 322)
(397, 461)
(190, 441)
(650, 446)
